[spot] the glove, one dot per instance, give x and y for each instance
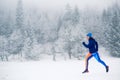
(83, 43)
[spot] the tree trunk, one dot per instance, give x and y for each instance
(69, 53)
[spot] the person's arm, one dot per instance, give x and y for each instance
(89, 44)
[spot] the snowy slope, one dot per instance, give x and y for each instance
(59, 70)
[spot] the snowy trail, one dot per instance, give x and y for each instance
(59, 70)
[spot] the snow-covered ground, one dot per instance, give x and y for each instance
(59, 70)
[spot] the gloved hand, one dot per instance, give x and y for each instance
(83, 43)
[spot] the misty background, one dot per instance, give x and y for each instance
(31, 30)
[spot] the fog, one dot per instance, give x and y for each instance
(30, 28)
(57, 4)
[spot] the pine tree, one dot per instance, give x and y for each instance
(19, 15)
(68, 14)
(113, 35)
(75, 16)
(20, 28)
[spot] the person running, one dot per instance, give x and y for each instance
(93, 52)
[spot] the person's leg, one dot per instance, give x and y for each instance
(87, 58)
(97, 57)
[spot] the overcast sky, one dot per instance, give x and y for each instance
(58, 4)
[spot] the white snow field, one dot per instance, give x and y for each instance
(59, 70)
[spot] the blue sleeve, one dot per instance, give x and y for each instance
(89, 44)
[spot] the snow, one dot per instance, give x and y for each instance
(59, 70)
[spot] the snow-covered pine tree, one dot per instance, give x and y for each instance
(19, 15)
(72, 30)
(6, 23)
(20, 26)
(3, 48)
(75, 16)
(113, 33)
(68, 14)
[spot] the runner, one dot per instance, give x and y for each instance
(93, 52)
